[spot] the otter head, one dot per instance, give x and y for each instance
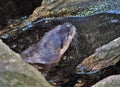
(52, 45)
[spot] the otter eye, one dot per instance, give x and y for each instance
(62, 39)
(61, 45)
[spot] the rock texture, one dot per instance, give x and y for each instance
(104, 56)
(52, 8)
(111, 81)
(14, 72)
(55, 8)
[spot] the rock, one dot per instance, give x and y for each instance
(104, 56)
(111, 81)
(14, 72)
(55, 8)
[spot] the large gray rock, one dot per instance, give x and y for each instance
(14, 72)
(111, 81)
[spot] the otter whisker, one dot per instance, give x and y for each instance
(75, 44)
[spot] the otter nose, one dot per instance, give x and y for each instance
(70, 28)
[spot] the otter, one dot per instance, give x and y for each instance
(48, 51)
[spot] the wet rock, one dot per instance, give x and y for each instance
(14, 72)
(104, 56)
(55, 8)
(91, 78)
(111, 81)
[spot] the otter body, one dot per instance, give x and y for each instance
(50, 48)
